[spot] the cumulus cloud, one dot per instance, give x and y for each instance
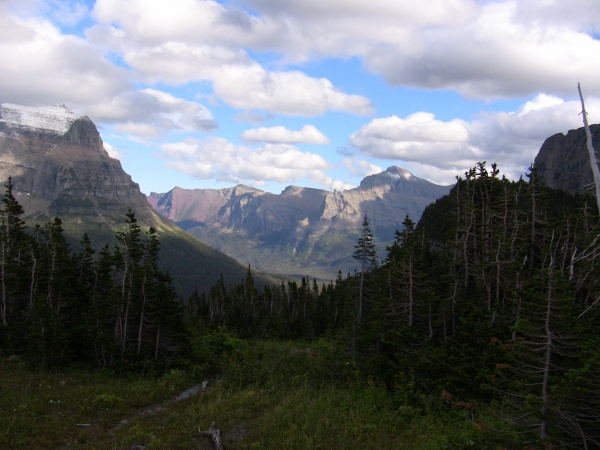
(418, 137)
(290, 93)
(307, 135)
(205, 41)
(225, 161)
(481, 49)
(440, 150)
(250, 55)
(41, 65)
(149, 114)
(241, 82)
(495, 55)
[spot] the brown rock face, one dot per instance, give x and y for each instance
(60, 168)
(563, 161)
(59, 165)
(301, 231)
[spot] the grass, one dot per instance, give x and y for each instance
(268, 396)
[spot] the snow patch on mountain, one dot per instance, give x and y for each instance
(397, 173)
(54, 119)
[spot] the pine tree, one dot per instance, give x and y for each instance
(366, 254)
(129, 264)
(12, 255)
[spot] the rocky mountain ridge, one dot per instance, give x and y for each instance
(302, 231)
(57, 160)
(59, 168)
(563, 160)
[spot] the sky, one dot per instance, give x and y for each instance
(313, 93)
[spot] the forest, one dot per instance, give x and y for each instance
(486, 310)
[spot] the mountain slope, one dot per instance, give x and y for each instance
(301, 231)
(60, 168)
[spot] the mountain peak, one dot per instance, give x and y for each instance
(389, 177)
(56, 119)
(395, 172)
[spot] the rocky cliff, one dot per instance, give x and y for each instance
(563, 160)
(301, 231)
(59, 167)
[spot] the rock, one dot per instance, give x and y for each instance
(302, 231)
(563, 160)
(59, 168)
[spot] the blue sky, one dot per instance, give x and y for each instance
(318, 93)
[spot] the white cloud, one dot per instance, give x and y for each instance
(205, 41)
(253, 116)
(226, 162)
(342, 28)
(149, 114)
(419, 137)
(256, 55)
(289, 93)
(405, 12)
(40, 65)
(360, 167)
(242, 83)
(582, 15)
(112, 151)
(481, 49)
(496, 55)
(307, 135)
(445, 149)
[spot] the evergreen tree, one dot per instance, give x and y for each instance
(129, 264)
(366, 254)
(12, 258)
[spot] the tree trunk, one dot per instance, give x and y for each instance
(593, 161)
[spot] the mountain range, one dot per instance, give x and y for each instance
(302, 231)
(59, 168)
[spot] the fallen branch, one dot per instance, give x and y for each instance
(214, 434)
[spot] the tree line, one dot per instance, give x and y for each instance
(111, 308)
(490, 302)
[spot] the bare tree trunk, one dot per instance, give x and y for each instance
(590, 147)
(32, 284)
(2, 277)
(547, 361)
(157, 342)
(141, 326)
(411, 300)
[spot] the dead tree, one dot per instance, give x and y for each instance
(590, 147)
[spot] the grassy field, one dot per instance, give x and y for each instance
(260, 395)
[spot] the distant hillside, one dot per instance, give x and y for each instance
(60, 168)
(301, 231)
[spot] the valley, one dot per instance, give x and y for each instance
(454, 332)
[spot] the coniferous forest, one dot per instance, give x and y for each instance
(489, 305)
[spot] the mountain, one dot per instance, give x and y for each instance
(60, 168)
(302, 231)
(563, 160)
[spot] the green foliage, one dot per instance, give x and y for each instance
(107, 401)
(292, 396)
(59, 307)
(477, 330)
